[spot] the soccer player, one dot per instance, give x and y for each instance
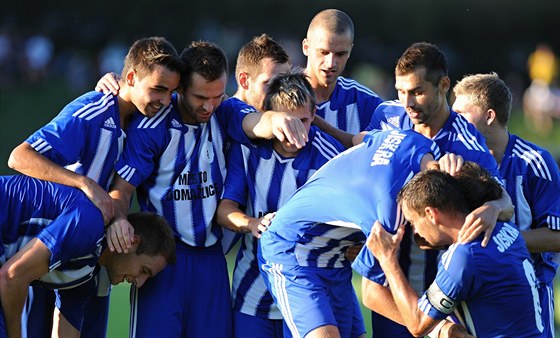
(261, 177)
(302, 254)
(176, 164)
(80, 146)
(491, 290)
(531, 177)
(422, 83)
(344, 106)
(52, 236)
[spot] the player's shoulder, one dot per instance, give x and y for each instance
(324, 142)
(348, 84)
(91, 105)
(233, 104)
(166, 117)
(536, 160)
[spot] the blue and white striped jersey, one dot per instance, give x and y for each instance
(493, 289)
(350, 106)
(343, 199)
(59, 216)
(262, 180)
(532, 180)
(456, 136)
(85, 137)
(179, 169)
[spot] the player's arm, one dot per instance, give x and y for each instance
(25, 159)
(108, 84)
(385, 248)
(378, 298)
(27, 265)
(483, 219)
(120, 232)
(272, 124)
(542, 240)
(230, 216)
(346, 139)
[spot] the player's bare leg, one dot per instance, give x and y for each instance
(62, 327)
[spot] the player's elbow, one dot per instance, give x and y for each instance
(15, 161)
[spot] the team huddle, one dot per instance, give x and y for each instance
(451, 220)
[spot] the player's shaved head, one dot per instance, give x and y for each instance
(333, 21)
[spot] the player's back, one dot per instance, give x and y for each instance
(496, 285)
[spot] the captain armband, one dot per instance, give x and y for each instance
(439, 300)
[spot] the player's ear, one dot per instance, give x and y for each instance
(444, 84)
(305, 47)
(490, 116)
(130, 77)
(135, 239)
(243, 79)
(431, 213)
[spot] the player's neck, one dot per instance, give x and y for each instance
(280, 150)
(126, 107)
(437, 120)
(497, 143)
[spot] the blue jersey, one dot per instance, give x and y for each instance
(61, 217)
(350, 106)
(179, 169)
(456, 136)
(532, 180)
(262, 180)
(343, 199)
(86, 137)
(493, 289)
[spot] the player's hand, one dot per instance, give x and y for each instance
(119, 235)
(264, 223)
(108, 84)
(482, 219)
(100, 198)
(453, 330)
(286, 127)
(451, 163)
(383, 245)
(352, 252)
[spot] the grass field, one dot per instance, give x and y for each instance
(24, 109)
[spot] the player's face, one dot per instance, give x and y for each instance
(305, 114)
(133, 268)
(153, 91)
(425, 231)
(421, 99)
(258, 83)
(327, 54)
(471, 112)
(202, 97)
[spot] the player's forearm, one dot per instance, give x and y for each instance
(542, 240)
(258, 125)
(504, 206)
(28, 161)
(406, 300)
(378, 298)
(121, 193)
(12, 297)
(341, 136)
(230, 216)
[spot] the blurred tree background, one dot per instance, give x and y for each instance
(52, 51)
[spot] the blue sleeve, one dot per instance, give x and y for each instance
(235, 187)
(62, 139)
(230, 114)
(455, 282)
(141, 153)
(544, 195)
(367, 265)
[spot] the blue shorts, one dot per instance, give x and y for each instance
(383, 327)
(190, 298)
(84, 307)
(247, 326)
(311, 297)
(546, 295)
